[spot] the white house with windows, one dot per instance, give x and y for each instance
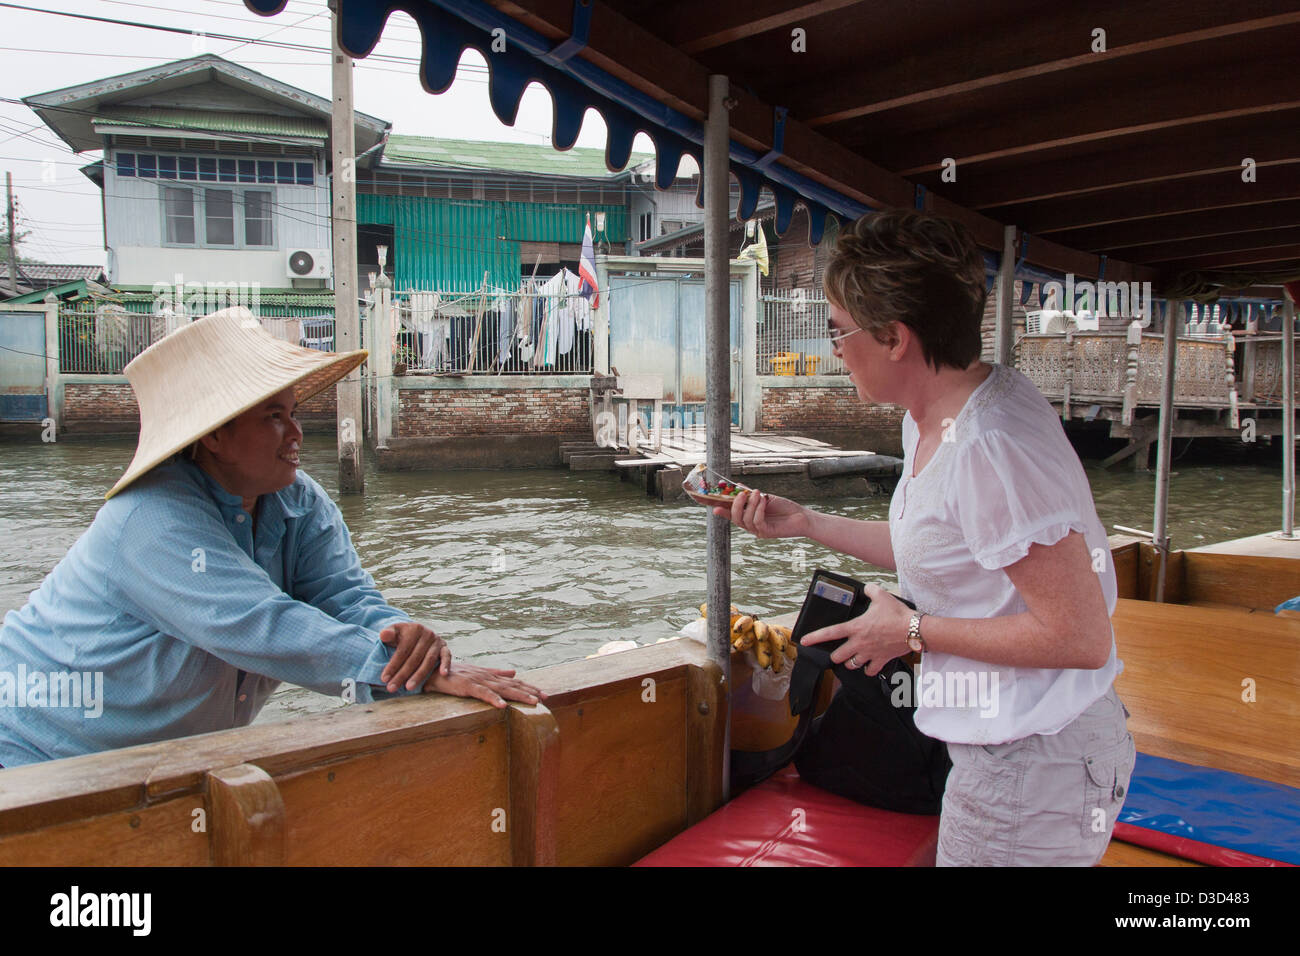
(212, 172)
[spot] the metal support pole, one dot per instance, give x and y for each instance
(381, 354)
(717, 348)
(600, 319)
(1288, 417)
(751, 396)
(53, 373)
(1004, 333)
(1159, 532)
(343, 227)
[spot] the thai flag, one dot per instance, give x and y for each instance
(587, 269)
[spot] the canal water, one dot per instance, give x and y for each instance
(527, 568)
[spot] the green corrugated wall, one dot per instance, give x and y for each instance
(447, 244)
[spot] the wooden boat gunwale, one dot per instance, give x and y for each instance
(625, 753)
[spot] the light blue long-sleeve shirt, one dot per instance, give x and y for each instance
(168, 597)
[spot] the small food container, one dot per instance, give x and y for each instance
(709, 489)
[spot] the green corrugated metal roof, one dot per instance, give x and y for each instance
(447, 244)
(292, 303)
(500, 157)
(214, 121)
(277, 295)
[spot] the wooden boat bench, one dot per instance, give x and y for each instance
(1213, 686)
(430, 781)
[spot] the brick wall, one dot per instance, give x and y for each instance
(792, 409)
(110, 408)
(835, 415)
(497, 411)
(321, 409)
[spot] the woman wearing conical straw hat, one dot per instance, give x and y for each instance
(215, 570)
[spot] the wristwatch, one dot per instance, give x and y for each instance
(914, 639)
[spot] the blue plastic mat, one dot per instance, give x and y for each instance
(1214, 806)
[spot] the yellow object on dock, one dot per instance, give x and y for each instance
(810, 363)
(785, 363)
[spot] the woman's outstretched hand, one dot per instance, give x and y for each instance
(767, 516)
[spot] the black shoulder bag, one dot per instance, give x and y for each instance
(865, 746)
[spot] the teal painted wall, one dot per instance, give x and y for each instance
(448, 244)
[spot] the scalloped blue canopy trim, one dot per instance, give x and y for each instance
(448, 27)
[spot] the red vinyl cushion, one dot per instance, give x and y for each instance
(763, 827)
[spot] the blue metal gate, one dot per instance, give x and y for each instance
(22, 366)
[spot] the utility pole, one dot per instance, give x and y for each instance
(343, 227)
(13, 258)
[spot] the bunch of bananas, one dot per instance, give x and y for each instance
(771, 643)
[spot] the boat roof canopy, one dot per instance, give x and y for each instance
(1149, 142)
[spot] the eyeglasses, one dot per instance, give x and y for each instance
(836, 336)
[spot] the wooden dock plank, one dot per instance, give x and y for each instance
(693, 459)
(807, 442)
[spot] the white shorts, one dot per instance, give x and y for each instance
(1043, 800)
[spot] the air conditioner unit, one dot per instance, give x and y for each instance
(307, 264)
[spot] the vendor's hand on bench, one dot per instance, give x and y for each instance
(419, 652)
(486, 683)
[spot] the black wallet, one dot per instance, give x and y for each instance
(832, 599)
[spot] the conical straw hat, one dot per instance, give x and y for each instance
(206, 373)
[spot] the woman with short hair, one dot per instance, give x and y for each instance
(995, 537)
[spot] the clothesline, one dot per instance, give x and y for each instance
(539, 323)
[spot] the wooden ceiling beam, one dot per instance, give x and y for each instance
(1108, 111)
(704, 26)
(1142, 160)
(626, 50)
(1054, 41)
(1041, 252)
(1188, 226)
(1159, 253)
(1228, 260)
(1131, 203)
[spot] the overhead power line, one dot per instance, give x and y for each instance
(190, 32)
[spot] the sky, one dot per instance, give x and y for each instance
(40, 52)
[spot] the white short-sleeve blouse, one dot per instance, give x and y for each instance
(1003, 477)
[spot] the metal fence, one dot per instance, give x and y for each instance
(536, 329)
(541, 328)
(794, 336)
(101, 337)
